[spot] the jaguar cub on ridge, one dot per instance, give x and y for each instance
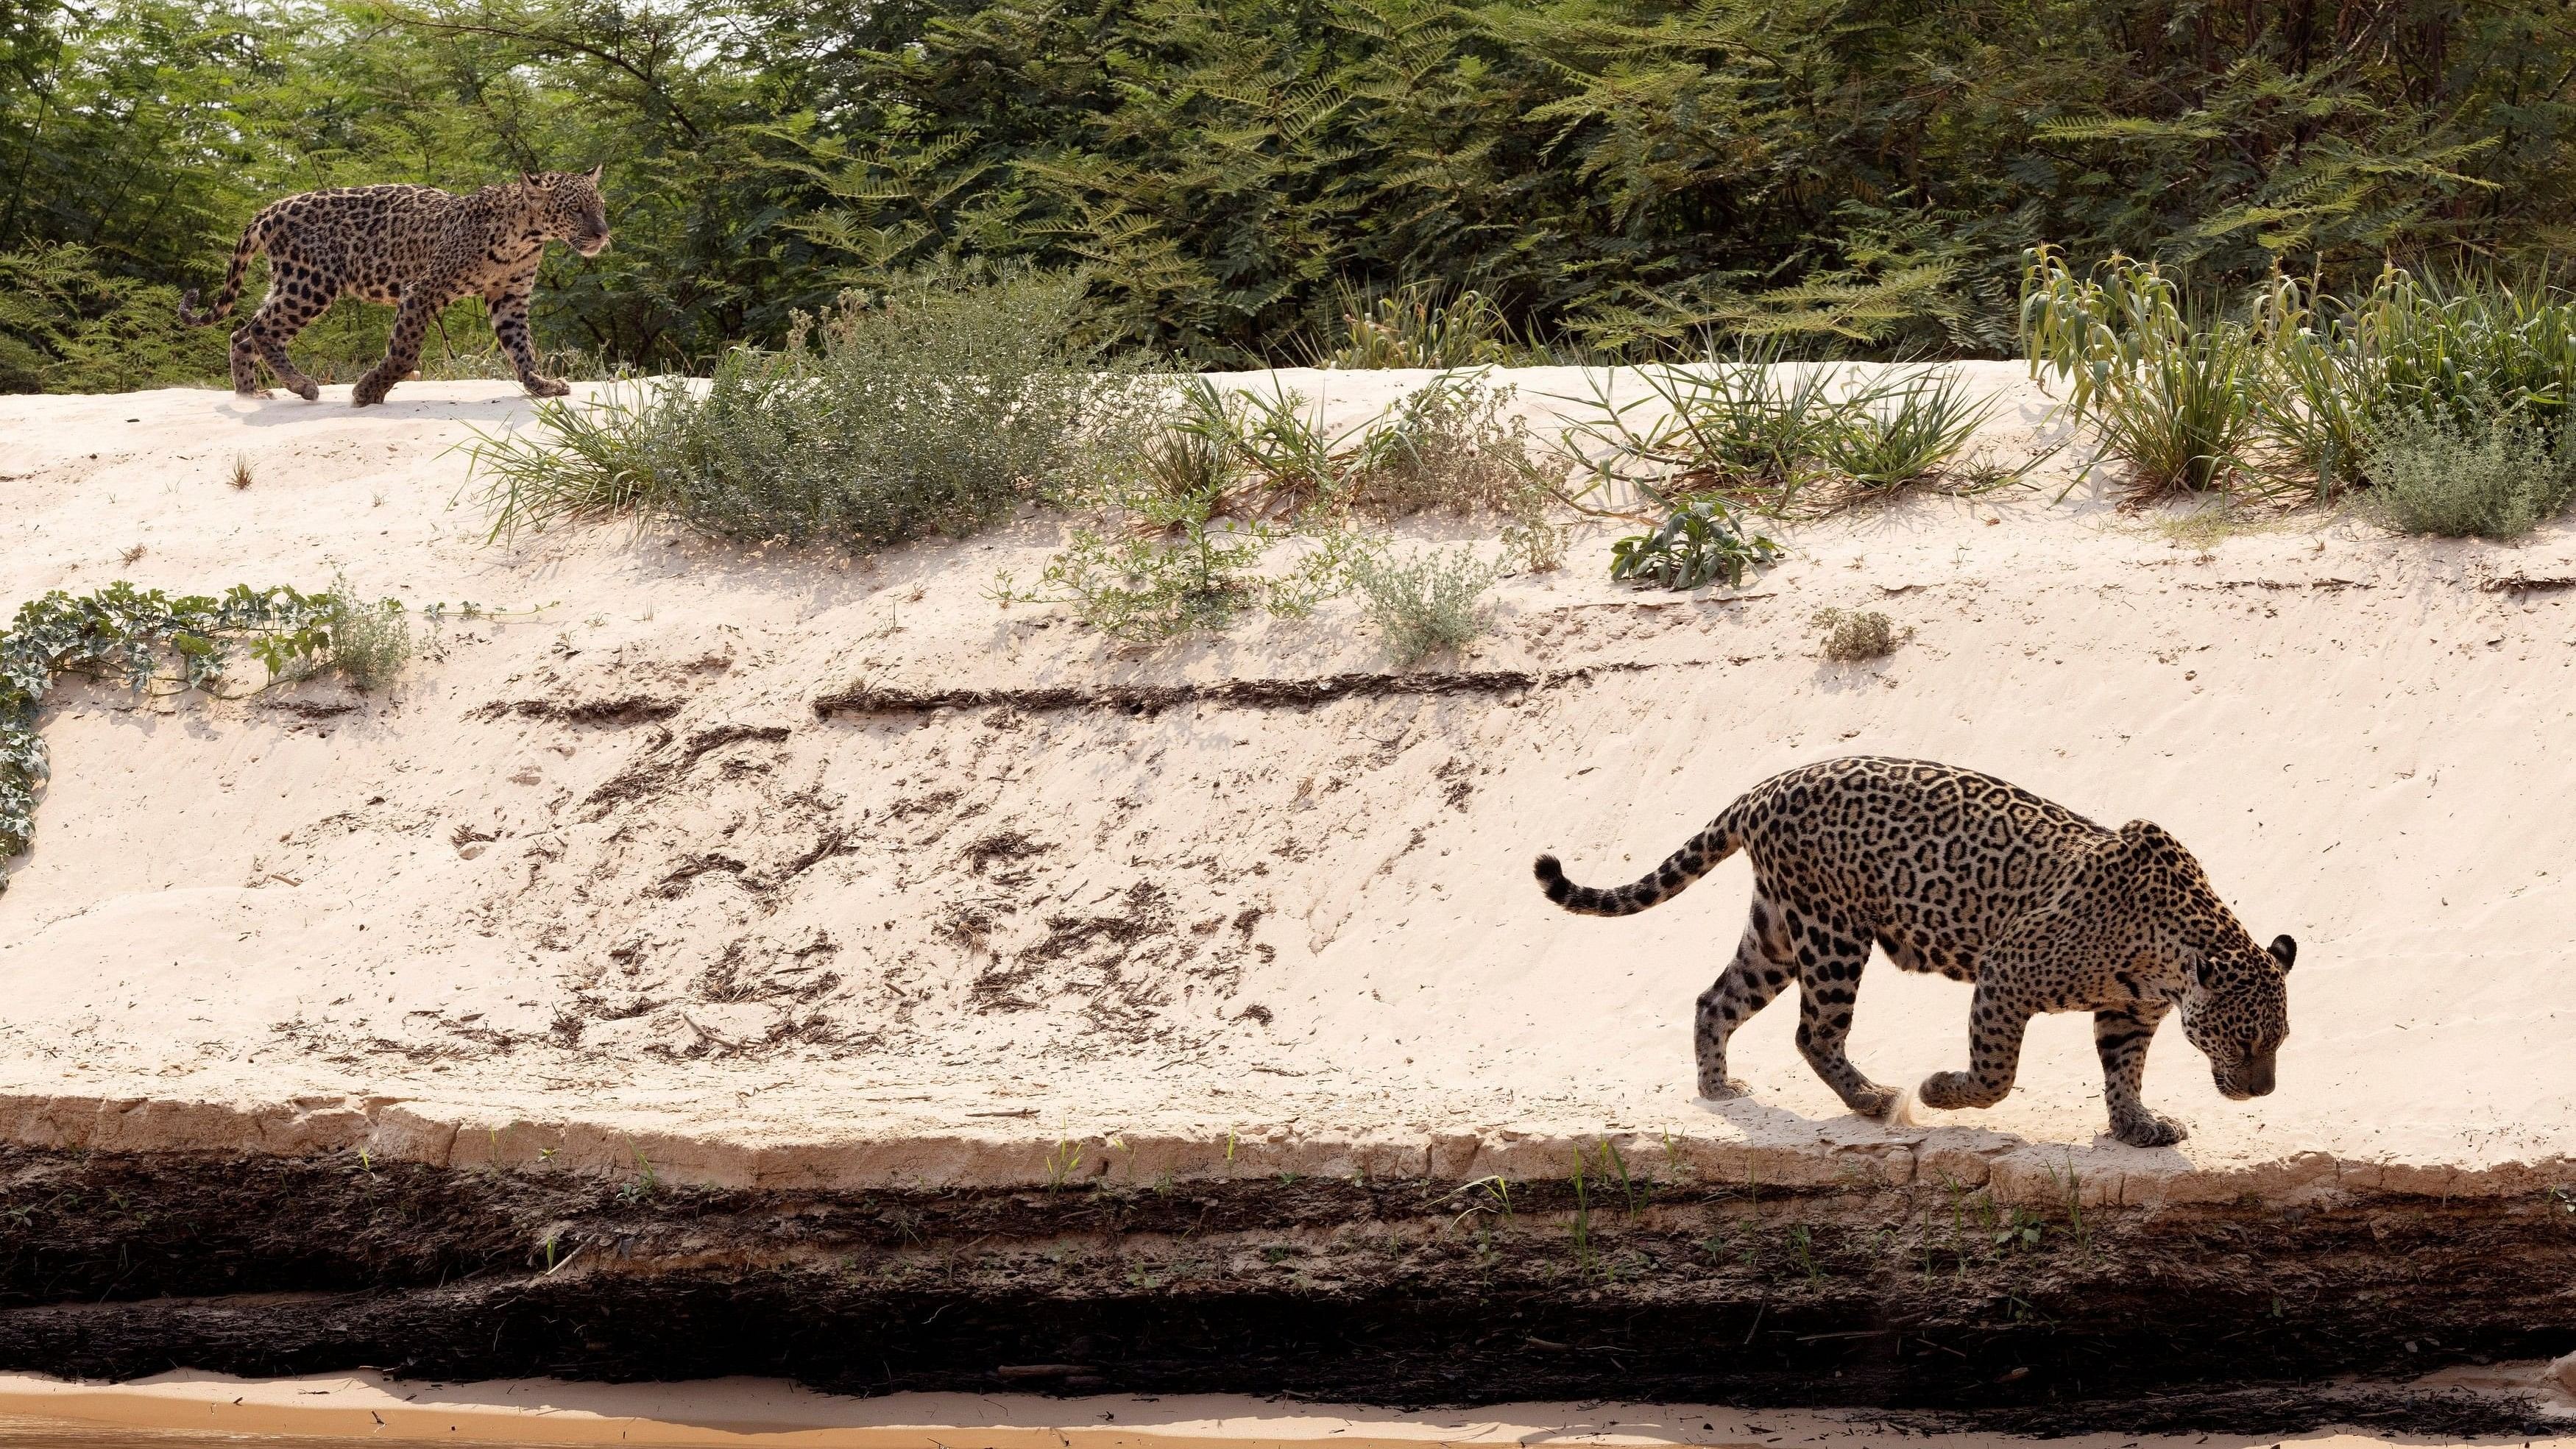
(416, 247)
(1952, 871)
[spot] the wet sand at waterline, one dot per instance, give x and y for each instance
(206, 1409)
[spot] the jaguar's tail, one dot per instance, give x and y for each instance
(1698, 856)
(248, 247)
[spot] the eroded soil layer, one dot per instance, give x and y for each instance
(1920, 1299)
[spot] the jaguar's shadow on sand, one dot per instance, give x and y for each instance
(286, 409)
(1764, 1124)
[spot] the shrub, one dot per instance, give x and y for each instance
(1419, 324)
(1751, 426)
(1427, 603)
(2178, 402)
(369, 643)
(1451, 444)
(1701, 541)
(1455, 444)
(1852, 635)
(1181, 541)
(930, 408)
(1904, 429)
(1192, 500)
(2338, 366)
(2487, 477)
(67, 324)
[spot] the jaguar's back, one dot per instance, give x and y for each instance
(1931, 860)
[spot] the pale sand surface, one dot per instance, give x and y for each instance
(770, 1412)
(859, 950)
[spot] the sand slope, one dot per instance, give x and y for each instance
(600, 881)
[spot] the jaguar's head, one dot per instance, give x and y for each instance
(2237, 1011)
(571, 208)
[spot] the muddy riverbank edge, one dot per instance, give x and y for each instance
(2031, 1296)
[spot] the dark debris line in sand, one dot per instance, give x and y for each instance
(1240, 693)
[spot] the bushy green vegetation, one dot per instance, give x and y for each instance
(931, 407)
(1376, 181)
(2488, 476)
(1702, 540)
(2446, 408)
(1187, 500)
(1780, 437)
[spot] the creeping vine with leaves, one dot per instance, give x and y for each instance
(124, 632)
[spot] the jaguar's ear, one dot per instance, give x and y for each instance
(532, 178)
(2285, 951)
(594, 171)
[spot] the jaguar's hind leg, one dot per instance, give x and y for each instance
(295, 297)
(419, 307)
(1829, 968)
(1760, 969)
(245, 362)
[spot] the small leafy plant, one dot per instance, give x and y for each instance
(1703, 540)
(1427, 603)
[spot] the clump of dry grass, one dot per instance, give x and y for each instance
(1852, 635)
(240, 477)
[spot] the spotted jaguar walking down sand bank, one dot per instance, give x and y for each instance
(416, 247)
(1959, 873)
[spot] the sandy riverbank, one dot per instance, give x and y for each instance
(600, 883)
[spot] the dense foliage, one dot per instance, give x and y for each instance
(1609, 174)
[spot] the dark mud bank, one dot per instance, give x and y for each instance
(1914, 1300)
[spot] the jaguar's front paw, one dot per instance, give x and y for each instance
(371, 389)
(309, 390)
(1874, 1100)
(1949, 1091)
(548, 387)
(1723, 1089)
(2143, 1128)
